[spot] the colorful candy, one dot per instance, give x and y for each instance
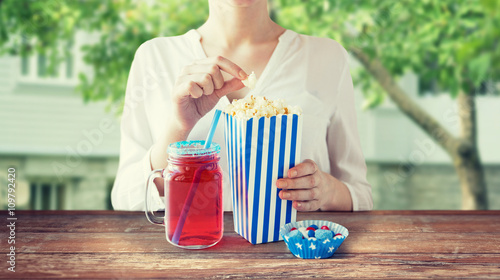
(324, 234)
(313, 231)
(294, 233)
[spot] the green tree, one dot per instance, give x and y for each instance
(453, 44)
(121, 26)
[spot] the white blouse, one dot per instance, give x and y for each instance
(307, 71)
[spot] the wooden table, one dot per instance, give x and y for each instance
(381, 244)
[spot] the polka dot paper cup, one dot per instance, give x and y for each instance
(312, 247)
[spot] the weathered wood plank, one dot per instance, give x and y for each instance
(381, 244)
(356, 243)
(114, 221)
(364, 213)
(229, 266)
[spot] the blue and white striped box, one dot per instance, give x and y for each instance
(259, 151)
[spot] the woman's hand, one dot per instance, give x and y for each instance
(311, 189)
(200, 86)
(196, 91)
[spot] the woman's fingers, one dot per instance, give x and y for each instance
(303, 186)
(232, 85)
(197, 85)
(311, 205)
(304, 194)
(226, 65)
(205, 82)
(207, 74)
(193, 89)
(305, 168)
(212, 69)
(216, 76)
(304, 182)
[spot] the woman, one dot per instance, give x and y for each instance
(176, 82)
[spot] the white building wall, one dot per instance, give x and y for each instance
(388, 135)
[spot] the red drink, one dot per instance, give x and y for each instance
(194, 172)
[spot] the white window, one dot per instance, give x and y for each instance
(35, 68)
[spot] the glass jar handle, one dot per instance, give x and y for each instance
(152, 218)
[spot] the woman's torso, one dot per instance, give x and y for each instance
(302, 70)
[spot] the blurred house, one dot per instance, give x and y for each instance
(66, 152)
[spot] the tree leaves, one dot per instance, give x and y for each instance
(447, 43)
(121, 27)
(454, 45)
(478, 68)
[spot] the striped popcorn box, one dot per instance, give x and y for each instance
(259, 151)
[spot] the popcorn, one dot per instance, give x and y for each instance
(250, 81)
(259, 106)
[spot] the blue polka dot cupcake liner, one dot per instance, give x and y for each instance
(312, 247)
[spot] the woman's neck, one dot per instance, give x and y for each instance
(229, 26)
